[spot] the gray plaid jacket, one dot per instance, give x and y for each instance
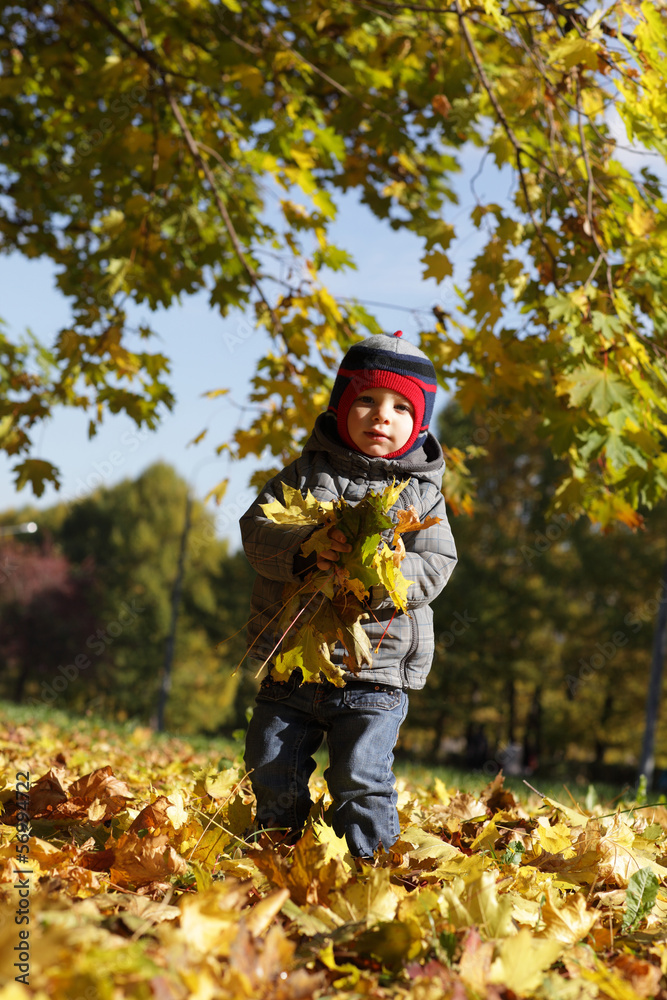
(331, 470)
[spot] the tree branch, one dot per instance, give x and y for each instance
(423, 8)
(155, 159)
(577, 21)
(518, 149)
(334, 83)
(191, 143)
(138, 50)
(239, 41)
(222, 208)
(591, 188)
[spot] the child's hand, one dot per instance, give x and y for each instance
(329, 557)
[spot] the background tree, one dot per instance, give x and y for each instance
(143, 146)
(133, 532)
(125, 541)
(545, 633)
(543, 638)
(47, 611)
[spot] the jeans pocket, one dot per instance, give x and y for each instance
(271, 690)
(361, 699)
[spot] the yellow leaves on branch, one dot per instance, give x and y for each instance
(337, 602)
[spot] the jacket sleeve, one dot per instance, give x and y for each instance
(270, 547)
(429, 561)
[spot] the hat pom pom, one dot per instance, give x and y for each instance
(399, 333)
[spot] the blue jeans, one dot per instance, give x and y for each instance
(361, 722)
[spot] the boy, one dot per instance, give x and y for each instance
(375, 430)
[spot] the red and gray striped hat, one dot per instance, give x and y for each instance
(390, 363)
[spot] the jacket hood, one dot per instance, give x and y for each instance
(425, 463)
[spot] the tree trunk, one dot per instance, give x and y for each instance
(165, 682)
(532, 741)
(647, 762)
(20, 684)
(600, 741)
(510, 692)
(439, 732)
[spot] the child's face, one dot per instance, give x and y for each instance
(380, 422)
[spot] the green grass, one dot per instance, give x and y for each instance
(42, 715)
(417, 773)
(566, 792)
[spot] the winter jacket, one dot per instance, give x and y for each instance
(329, 469)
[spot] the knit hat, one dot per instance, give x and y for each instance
(389, 363)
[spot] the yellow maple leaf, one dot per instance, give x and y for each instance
(210, 919)
(555, 839)
(522, 961)
(262, 914)
(369, 901)
(479, 903)
(438, 265)
(392, 493)
(423, 846)
(176, 812)
(640, 221)
(441, 792)
(391, 577)
(336, 847)
(619, 860)
(567, 920)
(346, 582)
(297, 509)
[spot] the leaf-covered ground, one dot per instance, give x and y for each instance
(139, 886)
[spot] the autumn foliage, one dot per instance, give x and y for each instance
(203, 147)
(141, 881)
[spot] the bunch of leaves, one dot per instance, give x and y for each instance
(142, 882)
(308, 640)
